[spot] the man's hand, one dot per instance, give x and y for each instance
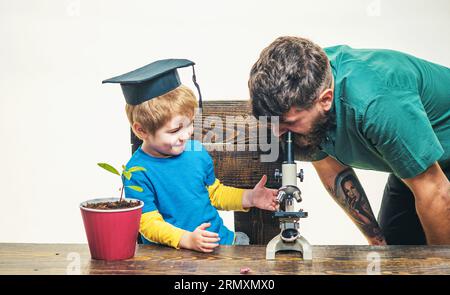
(377, 241)
(375, 237)
(260, 196)
(200, 239)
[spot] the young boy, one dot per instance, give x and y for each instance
(181, 194)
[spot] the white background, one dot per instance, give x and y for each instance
(58, 121)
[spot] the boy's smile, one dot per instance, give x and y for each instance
(170, 140)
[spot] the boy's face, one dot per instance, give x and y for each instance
(170, 140)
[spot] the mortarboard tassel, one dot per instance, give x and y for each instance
(194, 79)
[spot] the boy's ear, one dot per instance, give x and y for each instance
(139, 131)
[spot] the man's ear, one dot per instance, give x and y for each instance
(139, 131)
(326, 99)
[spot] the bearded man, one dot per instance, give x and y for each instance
(373, 109)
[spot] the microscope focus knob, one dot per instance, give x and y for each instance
(301, 175)
(278, 175)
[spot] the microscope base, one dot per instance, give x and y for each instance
(300, 245)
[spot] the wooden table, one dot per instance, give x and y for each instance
(73, 258)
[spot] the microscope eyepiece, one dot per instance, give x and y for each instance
(289, 151)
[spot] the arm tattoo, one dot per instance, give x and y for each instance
(349, 194)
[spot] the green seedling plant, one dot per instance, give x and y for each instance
(126, 173)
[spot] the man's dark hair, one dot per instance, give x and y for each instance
(289, 72)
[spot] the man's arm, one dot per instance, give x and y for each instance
(431, 190)
(332, 174)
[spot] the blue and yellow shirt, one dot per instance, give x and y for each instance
(180, 193)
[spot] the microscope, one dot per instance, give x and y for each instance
(289, 237)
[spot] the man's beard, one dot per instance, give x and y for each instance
(308, 145)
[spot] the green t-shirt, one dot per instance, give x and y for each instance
(392, 111)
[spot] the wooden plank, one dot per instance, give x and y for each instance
(243, 169)
(225, 122)
(59, 259)
(259, 225)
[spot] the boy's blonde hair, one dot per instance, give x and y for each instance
(155, 113)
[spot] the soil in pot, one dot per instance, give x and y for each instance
(113, 205)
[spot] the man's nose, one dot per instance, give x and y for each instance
(278, 131)
(282, 132)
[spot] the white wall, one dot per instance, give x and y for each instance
(58, 121)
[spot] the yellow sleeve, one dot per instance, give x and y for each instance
(155, 229)
(226, 197)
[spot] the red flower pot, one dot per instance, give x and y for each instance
(111, 234)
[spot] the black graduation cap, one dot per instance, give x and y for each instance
(153, 80)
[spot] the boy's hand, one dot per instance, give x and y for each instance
(200, 239)
(260, 196)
